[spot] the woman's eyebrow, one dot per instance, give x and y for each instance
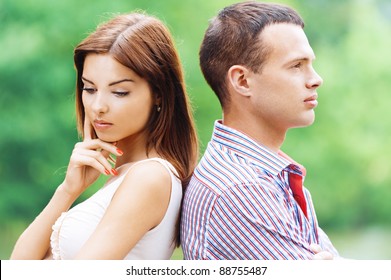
(86, 80)
(121, 81)
(111, 84)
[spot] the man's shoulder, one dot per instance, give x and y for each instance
(220, 170)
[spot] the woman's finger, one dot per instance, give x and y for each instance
(87, 133)
(112, 160)
(84, 157)
(99, 145)
(86, 160)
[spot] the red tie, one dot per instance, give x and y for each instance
(296, 185)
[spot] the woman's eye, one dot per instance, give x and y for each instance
(89, 90)
(121, 93)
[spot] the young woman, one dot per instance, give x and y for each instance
(137, 127)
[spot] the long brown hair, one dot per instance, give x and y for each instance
(145, 45)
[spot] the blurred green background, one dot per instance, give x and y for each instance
(347, 151)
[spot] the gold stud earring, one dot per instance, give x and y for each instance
(158, 108)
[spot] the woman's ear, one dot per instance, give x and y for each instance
(158, 100)
(237, 78)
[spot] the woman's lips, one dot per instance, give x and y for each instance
(98, 124)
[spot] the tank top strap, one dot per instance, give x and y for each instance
(170, 168)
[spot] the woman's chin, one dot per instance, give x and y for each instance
(107, 139)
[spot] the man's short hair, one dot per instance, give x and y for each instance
(232, 38)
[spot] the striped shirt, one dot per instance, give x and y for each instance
(239, 205)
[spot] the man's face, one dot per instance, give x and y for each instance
(284, 91)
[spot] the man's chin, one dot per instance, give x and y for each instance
(304, 123)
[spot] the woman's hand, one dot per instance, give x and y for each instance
(89, 159)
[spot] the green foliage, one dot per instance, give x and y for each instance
(346, 151)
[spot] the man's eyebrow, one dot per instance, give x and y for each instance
(300, 58)
(303, 58)
(111, 84)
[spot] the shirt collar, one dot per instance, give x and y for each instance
(246, 147)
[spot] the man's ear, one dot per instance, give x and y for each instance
(237, 78)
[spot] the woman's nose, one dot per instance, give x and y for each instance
(99, 104)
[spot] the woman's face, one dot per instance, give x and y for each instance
(116, 100)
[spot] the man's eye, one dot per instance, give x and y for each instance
(297, 65)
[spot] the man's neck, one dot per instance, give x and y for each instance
(263, 133)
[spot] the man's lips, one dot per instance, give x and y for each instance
(312, 101)
(311, 98)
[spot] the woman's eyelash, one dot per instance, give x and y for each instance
(121, 93)
(89, 90)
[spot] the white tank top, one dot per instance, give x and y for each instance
(73, 228)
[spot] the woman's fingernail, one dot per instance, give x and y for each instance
(115, 172)
(107, 172)
(120, 152)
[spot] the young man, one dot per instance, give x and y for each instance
(246, 199)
